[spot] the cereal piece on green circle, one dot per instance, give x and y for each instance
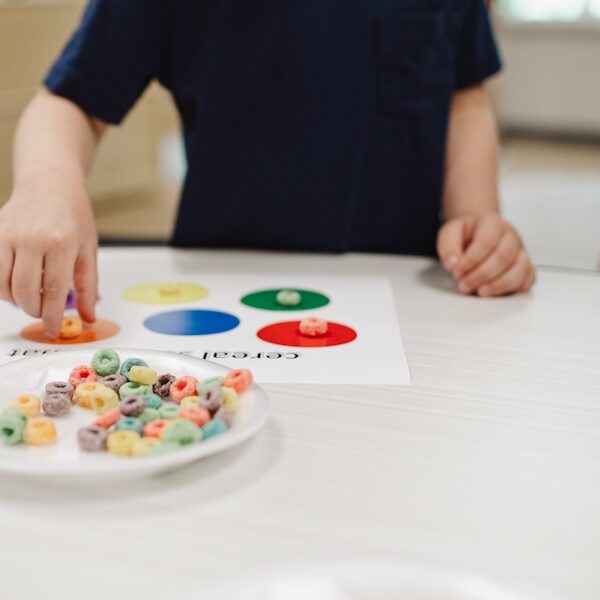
(231, 401)
(211, 399)
(106, 362)
(28, 404)
(92, 439)
(182, 388)
(71, 327)
(129, 424)
(288, 298)
(129, 389)
(82, 374)
(169, 288)
(153, 400)
(121, 443)
(154, 428)
(162, 387)
(56, 405)
(149, 415)
(114, 382)
(240, 380)
(131, 362)
(313, 327)
(40, 431)
(213, 428)
(190, 402)
(143, 446)
(12, 426)
(60, 387)
(209, 383)
(183, 432)
(169, 411)
(199, 416)
(144, 375)
(133, 406)
(103, 399)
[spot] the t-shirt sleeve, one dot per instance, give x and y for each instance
(478, 56)
(110, 59)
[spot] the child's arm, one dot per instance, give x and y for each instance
(48, 236)
(482, 251)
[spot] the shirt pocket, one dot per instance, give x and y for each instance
(415, 56)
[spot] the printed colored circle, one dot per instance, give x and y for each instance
(100, 330)
(191, 322)
(165, 293)
(288, 334)
(267, 300)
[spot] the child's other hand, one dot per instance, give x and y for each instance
(48, 241)
(485, 255)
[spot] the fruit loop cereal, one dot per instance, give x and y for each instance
(71, 327)
(138, 413)
(313, 326)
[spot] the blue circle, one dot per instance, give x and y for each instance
(191, 322)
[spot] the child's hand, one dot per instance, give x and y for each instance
(48, 241)
(485, 255)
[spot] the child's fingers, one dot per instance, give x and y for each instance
(494, 265)
(451, 242)
(511, 281)
(7, 257)
(26, 281)
(486, 237)
(85, 279)
(58, 272)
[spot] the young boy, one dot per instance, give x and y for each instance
(324, 125)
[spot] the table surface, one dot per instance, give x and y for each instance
(489, 463)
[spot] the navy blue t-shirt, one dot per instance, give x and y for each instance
(308, 124)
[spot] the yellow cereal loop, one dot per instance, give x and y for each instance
(142, 375)
(231, 400)
(40, 431)
(169, 288)
(144, 445)
(103, 399)
(28, 404)
(84, 393)
(71, 327)
(190, 402)
(121, 443)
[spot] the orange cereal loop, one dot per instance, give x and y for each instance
(71, 328)
(154, 429)
(28, 404)
(40, 431)
(108, 419)
(240, 380)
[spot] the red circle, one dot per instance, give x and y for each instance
(288, 334)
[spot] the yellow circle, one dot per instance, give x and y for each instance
(165, 292)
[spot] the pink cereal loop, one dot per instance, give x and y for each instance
(313, 326)
(107, 420)
(82, 374)
(240, 380)
(182, 388)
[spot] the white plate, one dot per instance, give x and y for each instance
(65, 459)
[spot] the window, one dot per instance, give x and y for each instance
(550, 10)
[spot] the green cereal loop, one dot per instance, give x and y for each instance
(288, 298)
(163, 449)
(131, 362)
(215, 427)
(130, 389)
(169, 411)
(182, 432)
(106, 362)
(12, 427)
(149, 415)
(152, 400)
(206, 384)
(14, 412)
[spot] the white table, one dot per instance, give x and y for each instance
(490, 462)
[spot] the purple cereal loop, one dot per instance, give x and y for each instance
(133, 406)
(56, 404)
(92, 439)
(162, 386)
(60, 387)
(225, 416)
(211, 399)
(114, 382)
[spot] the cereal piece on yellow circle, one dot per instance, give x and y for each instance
(143, 375)
(28, 404)
(71, 327)
(169, 288)
(231, 400)
(121, 443)
(144, 445)
(84, 393)
(40, 431)
(190, 402)
(103, 399)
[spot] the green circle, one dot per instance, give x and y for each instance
(267, 300)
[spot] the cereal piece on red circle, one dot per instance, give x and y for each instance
(199, 416)
(28, 404)
(82, 374)
(182, 388)
(92, 439)
(108, 419)
(70, 328)
(154, 428)
(240, 380)
(40, 431)
(313, 327)
(162, 387)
